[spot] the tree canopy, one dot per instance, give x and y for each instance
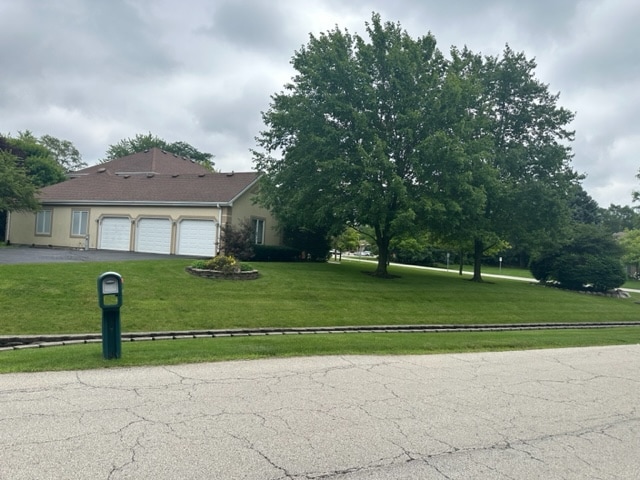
(17, 191)
(63, 152)
(521, 164)
(386, 132)
(140, 143)
(25, 166)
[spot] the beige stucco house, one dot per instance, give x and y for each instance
(151, 201)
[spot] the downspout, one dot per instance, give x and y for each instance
(219, 232)
(6, 229)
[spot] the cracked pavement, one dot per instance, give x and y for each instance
(553, 414)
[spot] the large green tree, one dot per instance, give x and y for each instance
(25, 166)
(140, 143)
(617, 218)
(629, 240)
(63, 152)
(344, 140)
(519, 160)
(385, 132)
(17, 191)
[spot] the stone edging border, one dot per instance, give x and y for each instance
(215, 274)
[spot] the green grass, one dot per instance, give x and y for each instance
(171, 352)
(160, 296)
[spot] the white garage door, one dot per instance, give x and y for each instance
(115, 233)
(153, 235)
(197, 237)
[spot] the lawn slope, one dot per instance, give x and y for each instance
(160, 295)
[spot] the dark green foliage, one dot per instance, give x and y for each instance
(141, 143)
(350, 127)
(238, 241)
(413, 253)
(35, 160)
(313, 245)
(276, 253)
(17, 191)
(383, 131)
(64, 152)
(591, 260)
(616, 218)
(25, 166)
(584, 209)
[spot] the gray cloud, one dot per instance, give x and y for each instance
(201, 71)
(251, 24)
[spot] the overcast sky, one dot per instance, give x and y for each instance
(201, 71)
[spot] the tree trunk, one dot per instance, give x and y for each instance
(383, 259)
(478, 248)
(461, 262)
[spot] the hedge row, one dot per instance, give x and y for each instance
(274, 253)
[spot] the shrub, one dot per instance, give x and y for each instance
(314, 245)
(273, 253)
(238, 241)
(223, 263)
(201, 264)
(590, 261)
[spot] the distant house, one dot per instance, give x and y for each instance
(151, 201)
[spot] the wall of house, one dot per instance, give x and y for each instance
(22, 227)
(244, 208)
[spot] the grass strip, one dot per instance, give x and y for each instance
(172, 352)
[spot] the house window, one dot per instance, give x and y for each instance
(43, 222)
(79, 222)
(258, 230)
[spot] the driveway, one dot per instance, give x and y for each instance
(14, 255)
(552, 414)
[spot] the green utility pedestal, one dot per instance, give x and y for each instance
(110, 300)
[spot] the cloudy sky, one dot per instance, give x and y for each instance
(201, 71)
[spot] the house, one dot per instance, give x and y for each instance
(152, 201)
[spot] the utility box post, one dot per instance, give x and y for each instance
(110, 300)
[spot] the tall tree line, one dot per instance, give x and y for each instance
(386, 132)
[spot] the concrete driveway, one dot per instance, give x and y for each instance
(49, 255)
(552, 414)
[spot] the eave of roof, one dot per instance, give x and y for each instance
(107, 189)
(136, 203)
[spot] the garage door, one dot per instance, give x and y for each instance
(153, 235)
(197, 237)
(115, 233)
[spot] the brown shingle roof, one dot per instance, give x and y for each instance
(150, 177)
(149, 161)
(184, 189)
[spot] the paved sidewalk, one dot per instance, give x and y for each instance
(552, 414)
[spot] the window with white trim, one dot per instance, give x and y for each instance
(258, 230)
(79, 223)
(43, 222)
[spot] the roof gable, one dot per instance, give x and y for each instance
(154, 161)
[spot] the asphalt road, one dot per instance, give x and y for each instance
(552, 414)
